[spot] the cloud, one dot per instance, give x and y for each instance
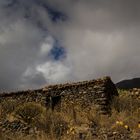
(101, 38)
(55, 41)
(54, 72)
(46, 46)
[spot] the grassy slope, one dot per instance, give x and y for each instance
(75, 123)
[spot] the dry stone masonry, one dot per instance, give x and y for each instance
(98, 93)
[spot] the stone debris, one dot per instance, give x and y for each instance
(15, 126)
(135, 93)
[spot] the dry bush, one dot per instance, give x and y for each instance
(54, 125)
(125, 102)
(29, 112)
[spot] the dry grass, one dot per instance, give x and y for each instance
(77, 124)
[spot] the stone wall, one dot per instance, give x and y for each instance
(25, 96)
(98, 92)
(73, 97)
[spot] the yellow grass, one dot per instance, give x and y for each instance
(74, 122)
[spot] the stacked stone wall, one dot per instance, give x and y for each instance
(98, 92)
(95, 93)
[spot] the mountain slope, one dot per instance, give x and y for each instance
(129, 84)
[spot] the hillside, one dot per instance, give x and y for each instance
(129, 84)
(74, 111)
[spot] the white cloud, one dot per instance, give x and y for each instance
(46, 46)
(54, 72)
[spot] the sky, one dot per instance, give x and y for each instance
(56, 41)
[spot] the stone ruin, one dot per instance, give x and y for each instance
(98, 93)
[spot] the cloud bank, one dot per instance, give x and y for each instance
(55, 41)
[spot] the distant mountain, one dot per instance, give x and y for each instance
(129, 84)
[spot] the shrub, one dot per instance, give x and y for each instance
(56, 123)
(125, 102)
(29, 112)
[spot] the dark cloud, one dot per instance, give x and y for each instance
(50, 41)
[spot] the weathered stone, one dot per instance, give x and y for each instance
(99, 92)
